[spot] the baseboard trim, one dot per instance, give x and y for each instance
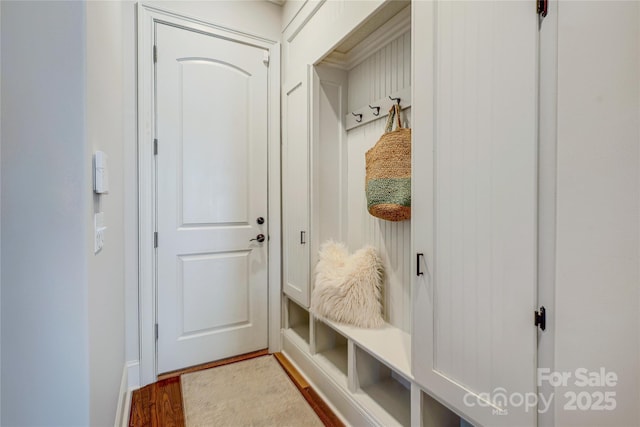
(124, 400)
(127, 408)
(320, 407)
(338, 399)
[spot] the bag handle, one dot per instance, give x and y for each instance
(393, 112)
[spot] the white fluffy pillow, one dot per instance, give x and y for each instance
(348, 288)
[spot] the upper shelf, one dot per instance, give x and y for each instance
(390, 345)
(391, 20)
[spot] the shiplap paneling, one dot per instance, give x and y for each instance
(384, 72)
(392, 239)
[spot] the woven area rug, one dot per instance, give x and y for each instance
(255, 392)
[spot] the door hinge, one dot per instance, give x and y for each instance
(265, 57)
(156, 331)
(155, 53)
(155, 147)
(540, 318)
(543, 7)
(155, 239)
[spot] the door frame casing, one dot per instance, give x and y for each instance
(148, 16)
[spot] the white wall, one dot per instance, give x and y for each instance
(259, 18)
(45, 201)
(62, 306)
(597, 272)
(255, 17)
(104, 124)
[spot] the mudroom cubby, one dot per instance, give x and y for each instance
(364, 373)
(432, 413)
(349, 100)
(330, 350)
(389, 344)
(297, 322)
(382, 391)
(324, 151)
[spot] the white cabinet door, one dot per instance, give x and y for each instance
(474, 207)
(295, 187)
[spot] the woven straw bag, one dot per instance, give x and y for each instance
(388, 165)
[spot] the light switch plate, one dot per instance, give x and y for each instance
(100, 172)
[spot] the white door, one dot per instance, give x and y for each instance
(211, 118)
(474, 207)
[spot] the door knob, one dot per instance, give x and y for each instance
(259, 238)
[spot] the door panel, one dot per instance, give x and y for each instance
(213, 90)
(206, 310)
(211, 97)
(296, 194)
(474, 207)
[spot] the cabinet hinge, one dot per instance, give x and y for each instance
(155, 54)
(156, 331)
(543, 6)
(155, 239)
(265, 57)
(155, 147)
(540, 318)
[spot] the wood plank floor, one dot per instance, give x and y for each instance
(160, 404)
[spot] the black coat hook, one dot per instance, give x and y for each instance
(395, 99)
(377, 112)
(358, 117)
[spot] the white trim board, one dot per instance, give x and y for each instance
(124, 400)
(148, 16)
